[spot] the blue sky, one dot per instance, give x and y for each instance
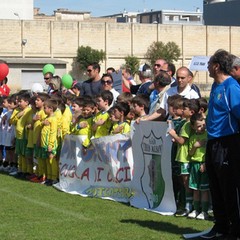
(106, 7)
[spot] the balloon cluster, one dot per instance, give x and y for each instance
(67, 79)
(4, 70)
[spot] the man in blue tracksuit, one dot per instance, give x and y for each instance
(223, 147)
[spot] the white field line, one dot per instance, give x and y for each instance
(46, 205)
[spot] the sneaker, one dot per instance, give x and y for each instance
(48, 182)
(31, 176)
(12, 169)
(193, 214)
(213, 234)
(13, 173)
(6, 169)
(182, 213)
(202, 216)
(37, 179)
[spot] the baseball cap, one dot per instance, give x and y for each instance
(144, 67)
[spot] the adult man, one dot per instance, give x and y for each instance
(158, 65)
(47, 78)
(183, 88)
(235, 71)
(145, 74)
(161, 85)
(222, 153)
(107, 84)
(92, 86)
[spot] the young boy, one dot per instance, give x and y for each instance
(140, 105)
(190, 106)
(176, 121)
(9, 134)
(38, 118)
(84, 125)
(20, 121)
(101, 122)
(49, 141)
(198, 180)
(120, 111)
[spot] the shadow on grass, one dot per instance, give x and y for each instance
(161, 226)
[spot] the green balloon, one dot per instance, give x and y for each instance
(67, 81)
(48, 68)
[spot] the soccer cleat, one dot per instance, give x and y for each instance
(182, 213)
(193, 214)
(202, 216)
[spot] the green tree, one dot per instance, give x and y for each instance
(132, 63)
(87, 55)
(169, 51)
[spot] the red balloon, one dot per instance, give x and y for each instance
(4, 70)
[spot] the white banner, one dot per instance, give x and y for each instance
(135, 170)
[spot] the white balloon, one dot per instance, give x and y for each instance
(36, 87)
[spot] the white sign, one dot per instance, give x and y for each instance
(199, 63)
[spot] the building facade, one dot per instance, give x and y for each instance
(172, 17)
(227, 12)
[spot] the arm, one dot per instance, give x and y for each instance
(178, 139)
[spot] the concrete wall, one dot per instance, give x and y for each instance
(60, 40)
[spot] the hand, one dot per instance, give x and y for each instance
(20, 114)
(83, 124)
(118, 129)
(46, 122)
(202, 168)
(172, 132)
(36, 117)
(199, 144)
(100, 122)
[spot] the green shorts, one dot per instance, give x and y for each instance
(184, 168)
(20, 147)
(198, 180)
(29, 152)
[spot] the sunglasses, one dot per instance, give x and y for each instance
(89, 70)
(157, 65)
(46, 78)
(108, 82)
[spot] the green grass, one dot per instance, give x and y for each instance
(33, 211)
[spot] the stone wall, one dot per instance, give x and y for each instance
(60, 39)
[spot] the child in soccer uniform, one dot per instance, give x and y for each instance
(176, 121)
(84, 125)
(66, 120)
(20, 121)
(29, 135)
(101, 121)
(38, 119)
(198, 180)
(77, 107)
(49, 141)
(120, 111)
(140, 104)
(190, 106)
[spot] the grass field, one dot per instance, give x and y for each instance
(33, 211)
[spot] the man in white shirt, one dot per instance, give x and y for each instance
(183, 88)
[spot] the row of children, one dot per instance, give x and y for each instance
(38, 124)
(189, 136)
(33, 128)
